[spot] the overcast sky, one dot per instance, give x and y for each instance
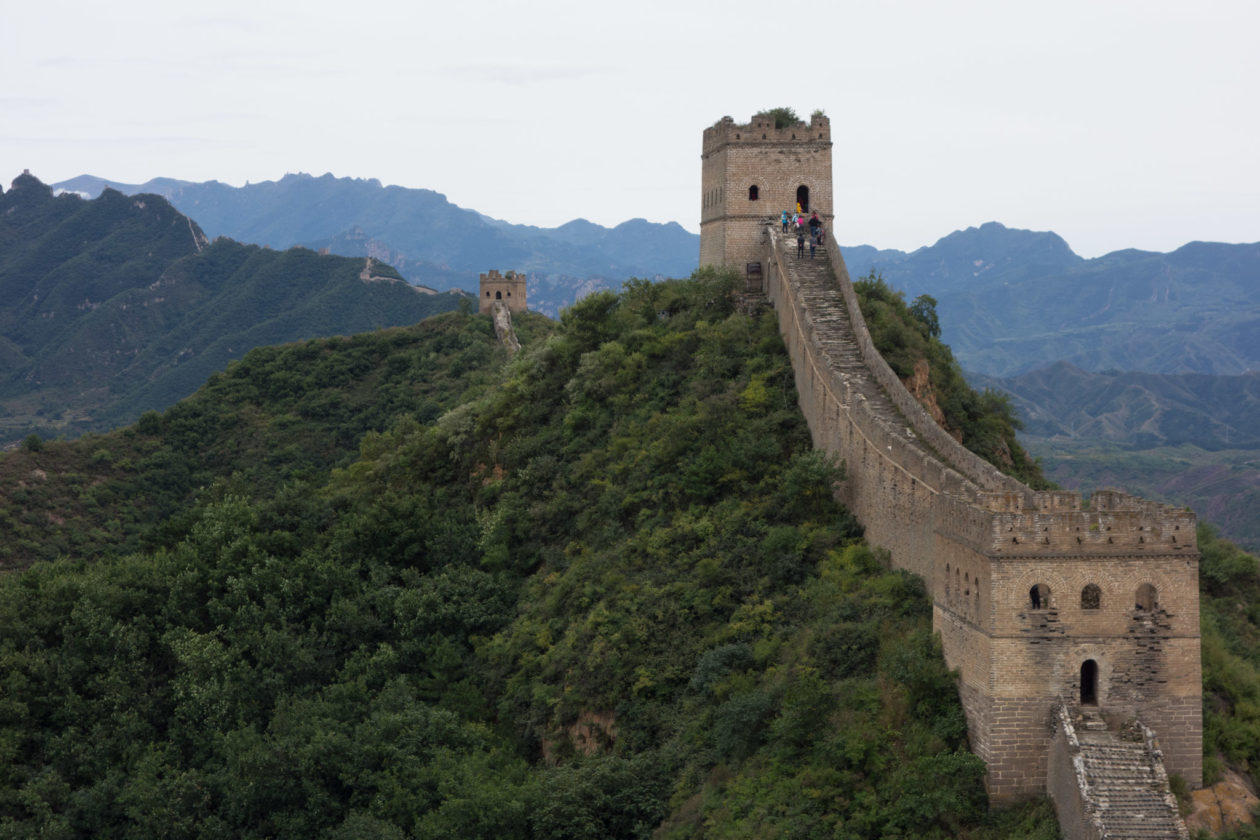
(1115, 124)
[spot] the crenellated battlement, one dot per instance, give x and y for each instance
(760, 129)
(754, 172)
(1056, 522)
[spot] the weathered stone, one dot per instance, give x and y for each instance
(1225, 805)
(1038, 599)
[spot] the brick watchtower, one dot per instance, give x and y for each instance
(509, 288)
(752, 173)
(1040, 601)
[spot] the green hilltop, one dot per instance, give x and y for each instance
(395, 585)
(398, 585)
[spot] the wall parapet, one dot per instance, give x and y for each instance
(999, 558)
(977, 470)
(1032, 521)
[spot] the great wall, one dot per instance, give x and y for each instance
(1074, 629)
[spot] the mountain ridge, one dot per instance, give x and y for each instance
(1010, 299)
(1196, 309)
(119, 304)
(433, 242)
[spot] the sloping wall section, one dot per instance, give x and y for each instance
(1038, 599)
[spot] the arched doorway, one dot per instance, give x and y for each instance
(1089, 683)
(1039, 597)
(802, 197)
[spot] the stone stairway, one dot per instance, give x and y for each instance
(1121, 789)
(1131, 796)
(503, 328)
(829, 318)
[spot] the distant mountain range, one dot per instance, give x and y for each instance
(1136, 410)
(1011, 301)
(429, 240)
(117, 305)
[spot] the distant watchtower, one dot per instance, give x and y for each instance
(754, 172)
(509, 288)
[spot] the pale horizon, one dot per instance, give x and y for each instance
(1118, 125)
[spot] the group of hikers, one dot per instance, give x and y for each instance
(796, 221)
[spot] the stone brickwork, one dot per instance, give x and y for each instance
(508, 288)
(753, 172)
(1039, 600)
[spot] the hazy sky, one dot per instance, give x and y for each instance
(1115, 124)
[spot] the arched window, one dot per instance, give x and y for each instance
(753, 193)
(1146, 598)
(1089, 683)
(498, 295)
(1091, 597)
(802, 197)
(1039, 597)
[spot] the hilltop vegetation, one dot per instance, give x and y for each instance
(908, 337)
(596, 592)
(281, 414)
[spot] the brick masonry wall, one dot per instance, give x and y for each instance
(1065, 789)
(982, 541)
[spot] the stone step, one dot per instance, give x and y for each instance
(832, 330)
(1126, 788)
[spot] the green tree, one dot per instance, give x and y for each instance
(783, 117)
(923, 309)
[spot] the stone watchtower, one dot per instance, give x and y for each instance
(509, 288)
(1042, 602)
(752, 173)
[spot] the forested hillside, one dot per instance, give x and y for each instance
(600, 591)
(118, 305)
(399, 586)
